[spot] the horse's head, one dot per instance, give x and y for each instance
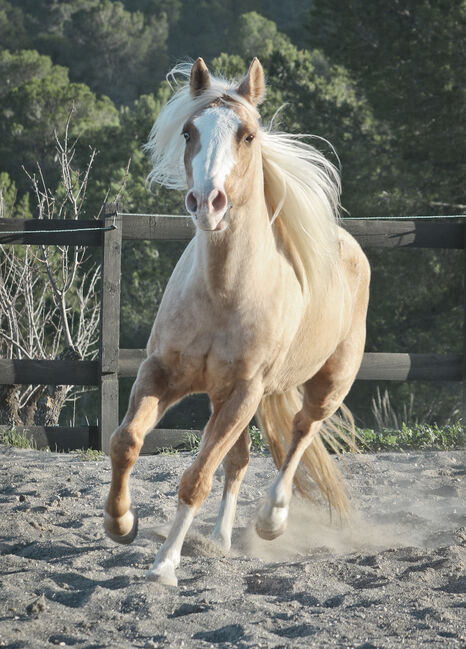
(221, 147)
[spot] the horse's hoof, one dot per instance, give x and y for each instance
(271, 521)
(164, 577)
(124, 539)
(270, 534)
(221, 542)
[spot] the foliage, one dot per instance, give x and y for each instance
(167, 450)
(15, 438)
(258, 443)
(89, 455)
(36, 99)
(408, 60)
(418, 436)
(194, 443)
(116, 52)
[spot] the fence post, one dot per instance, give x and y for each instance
(464, 327)
(110, 325)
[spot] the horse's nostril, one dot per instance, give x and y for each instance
(218, 200)
(191, 202)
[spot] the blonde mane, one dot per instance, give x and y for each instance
(302, 188)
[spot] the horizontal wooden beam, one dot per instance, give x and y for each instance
(26, 232)
(42, 372)
(72, 438)
(161, 438)
(402, 367)
(58, 438)
(370, 233)
(406, 234)
(158, 226)
(374, 367)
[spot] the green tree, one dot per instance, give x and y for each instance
(36, 99)
(408, 58)
(11, 207)
(258, 36)
(116, 52)
(13, 33)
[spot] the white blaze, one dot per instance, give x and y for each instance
(211, 165)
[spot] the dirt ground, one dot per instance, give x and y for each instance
(394, 578)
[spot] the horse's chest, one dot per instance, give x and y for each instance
(211, 355)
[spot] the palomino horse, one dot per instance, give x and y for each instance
(265, 311)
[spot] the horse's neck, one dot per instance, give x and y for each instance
(231, 261)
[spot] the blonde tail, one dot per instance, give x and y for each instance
(275, 418)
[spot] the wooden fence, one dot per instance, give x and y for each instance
(115, 363)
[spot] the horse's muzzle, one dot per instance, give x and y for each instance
(207, 210)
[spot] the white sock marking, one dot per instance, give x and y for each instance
(224, 525)
(273, 513)
(168, 557)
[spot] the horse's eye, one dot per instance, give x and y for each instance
(186, 135)
(249, 138)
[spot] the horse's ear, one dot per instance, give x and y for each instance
(199, 80)
(252, 87)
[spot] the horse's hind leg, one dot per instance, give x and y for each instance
(150, 397)
(323, 395)
(272, 516)
(235, 464)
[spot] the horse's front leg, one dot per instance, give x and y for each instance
(235, 464)
(150, 397)
(228, 420)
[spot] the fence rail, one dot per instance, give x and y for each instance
(115, 363)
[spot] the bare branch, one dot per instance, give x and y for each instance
(49, 302)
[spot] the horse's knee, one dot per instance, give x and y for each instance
(125, 445)
(301, 423)
(325, 407)
(194, 487)
(322, 399)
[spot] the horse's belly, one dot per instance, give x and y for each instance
(297, 368)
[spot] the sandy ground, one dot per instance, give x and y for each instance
(395, 578)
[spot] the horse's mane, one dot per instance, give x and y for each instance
(302, 188)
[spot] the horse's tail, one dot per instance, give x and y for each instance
(275, 418)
